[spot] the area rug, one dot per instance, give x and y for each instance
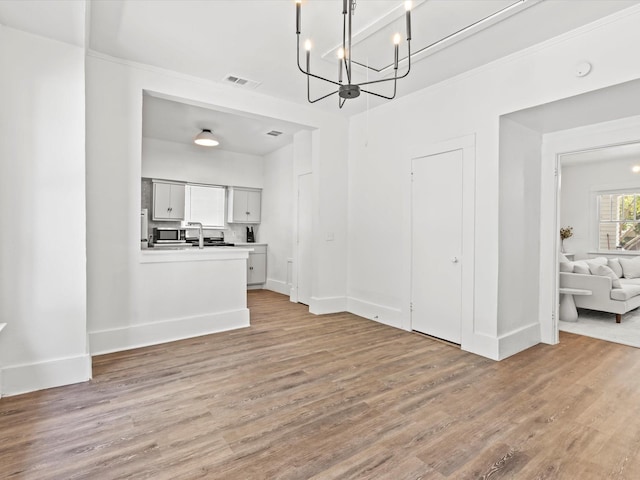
(603, 326)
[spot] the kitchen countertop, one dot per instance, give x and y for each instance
(193, 254)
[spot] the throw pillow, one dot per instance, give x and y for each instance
(630, 267)
(562, 258)
(614, 264)
(597, 260)
(594, 262)
(581, 267)
(566, 267)
(604, 271)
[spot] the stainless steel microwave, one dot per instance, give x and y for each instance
(169, 235)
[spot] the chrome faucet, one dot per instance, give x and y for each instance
(200, 233)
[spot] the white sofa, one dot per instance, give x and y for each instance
(614, 283)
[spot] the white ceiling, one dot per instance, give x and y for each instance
(62, 20)
(598, 106)
(178, 120)
(255, 39)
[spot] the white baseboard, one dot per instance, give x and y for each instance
(19, 379)
(373, 311)
(481, 344)
(135, 336)
(499, 348)
(518, 340)
(278, 286)
(293, 294)
(324, 305)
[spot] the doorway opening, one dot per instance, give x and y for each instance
(581, 123)
(597, 198)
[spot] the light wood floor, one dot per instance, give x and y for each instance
(298, 396)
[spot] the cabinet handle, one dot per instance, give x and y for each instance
(247, 213)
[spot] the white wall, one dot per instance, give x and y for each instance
(277, 217)
(191, 163)
(329, 221)
(114, 111)
(302, 165)
(519, 231)
(577, 199)
(383, 141)
(42, 193)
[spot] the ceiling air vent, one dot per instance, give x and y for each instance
(241, 82)
(274, 133)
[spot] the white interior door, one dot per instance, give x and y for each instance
(437, 257)
(304, 238)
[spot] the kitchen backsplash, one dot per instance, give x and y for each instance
(232, 232)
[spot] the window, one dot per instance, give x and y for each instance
(619, 221)
(205, 204)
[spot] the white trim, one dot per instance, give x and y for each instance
(372, 311)
(278, 286)
(549, 298)
(321, 306)
(518, 340)
(615, 253)
(483, 345)
(19, 379)
(503, 346)
(2, 325)
(296, 264)
(135, 336)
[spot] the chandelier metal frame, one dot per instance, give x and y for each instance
(349, 90)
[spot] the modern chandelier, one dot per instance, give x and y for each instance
(349, 89)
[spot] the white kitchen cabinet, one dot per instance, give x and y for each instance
(244, 205)
(257, 265)
(168, 201)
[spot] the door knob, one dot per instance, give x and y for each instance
(454, 259)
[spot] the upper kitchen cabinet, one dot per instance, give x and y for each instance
(244, 205)
(168, 201)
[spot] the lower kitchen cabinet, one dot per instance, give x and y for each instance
(257, 265)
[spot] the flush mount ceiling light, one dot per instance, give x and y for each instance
(206, 139)
(350, 89)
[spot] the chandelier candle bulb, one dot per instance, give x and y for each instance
(396, 43)
(307, 47)
(298, 5)
(407, 5)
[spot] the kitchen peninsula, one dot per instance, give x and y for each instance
(180, 294)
